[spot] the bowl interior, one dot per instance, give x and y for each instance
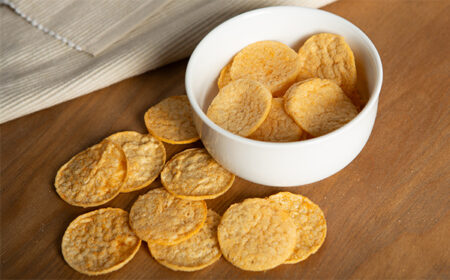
(289, 25)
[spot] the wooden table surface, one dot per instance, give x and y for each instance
(387, 212)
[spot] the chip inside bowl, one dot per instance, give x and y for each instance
(278, 126)
(328, 56)
(225, 76)
(323, 58)
(319, 106)
(271, 63)
(241, 106)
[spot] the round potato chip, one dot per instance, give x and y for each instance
(278, 126)
(193, 174)
(199, 251)
(271, 63)
(145, 155)
(94, 176)
(241, 106)
(159, 217)
(319, 106)
(171, 121)
(224, 77)
(256, 235)
(328, 56)
(309, 220)
(99, 242)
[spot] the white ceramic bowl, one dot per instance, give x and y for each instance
(281, 164)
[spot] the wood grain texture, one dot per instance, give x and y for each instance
(387, 212)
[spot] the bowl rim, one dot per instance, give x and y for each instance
(365, 111)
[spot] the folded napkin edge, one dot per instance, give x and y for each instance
(39, 26)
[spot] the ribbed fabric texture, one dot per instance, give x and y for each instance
(38, 70)
(86, 25)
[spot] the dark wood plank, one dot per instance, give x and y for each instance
(387, 212)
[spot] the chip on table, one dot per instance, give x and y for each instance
(99, 241)
(319, 106)
(159, 217)
(195, 253)
(309, 220)
(193, 174)
(93, 176)
(256, 235)
(171, 121)
(145, 155)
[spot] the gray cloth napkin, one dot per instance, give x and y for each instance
(53, 51)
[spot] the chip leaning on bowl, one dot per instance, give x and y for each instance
(298, 79)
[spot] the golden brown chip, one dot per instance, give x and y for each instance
(146, 156)
(171, 121)
(99, 242)
(92, 177)
(159, 217)
(241, 106)
(193, 174)
(328, 56)
(256, 235)
(319, 106)
(195, 253)
(271, 63)
(278, 126)
(309, 220)
(224, 77)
